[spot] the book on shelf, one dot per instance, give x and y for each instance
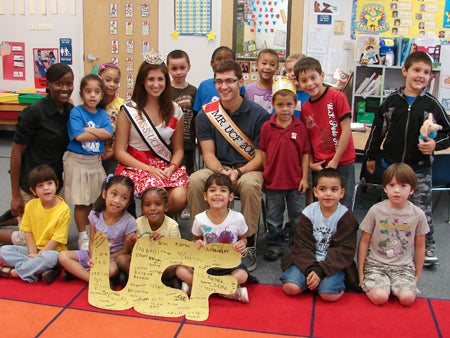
(364, 83)
(374, 87)
(403, 48)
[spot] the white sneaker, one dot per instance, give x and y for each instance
(241, 294)
(83, 242)
(185, 214)
(186, 288)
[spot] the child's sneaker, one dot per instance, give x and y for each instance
(83, 242)
(430, 258)
(241, 294)
(50, 275)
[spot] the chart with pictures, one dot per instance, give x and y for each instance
(413, 18)
(193, 17)
(130, 29)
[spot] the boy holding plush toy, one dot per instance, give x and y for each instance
(397, 126)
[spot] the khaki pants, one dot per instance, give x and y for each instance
(248, 188)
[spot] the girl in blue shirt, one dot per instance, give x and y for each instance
(88, 127)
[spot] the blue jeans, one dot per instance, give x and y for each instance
(28, 268)
(275, 203)
(331, 285)
(348, 179)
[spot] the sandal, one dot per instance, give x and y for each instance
(6, 273)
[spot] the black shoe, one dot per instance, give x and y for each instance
(50, 275)
(272, 256)
(8, 219)
(68, 276)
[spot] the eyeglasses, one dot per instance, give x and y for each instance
(228, 82)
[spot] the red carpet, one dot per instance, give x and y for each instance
(62, 310)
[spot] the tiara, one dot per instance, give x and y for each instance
(283, 83)
(153, 57)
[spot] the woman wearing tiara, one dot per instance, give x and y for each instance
(149, 135)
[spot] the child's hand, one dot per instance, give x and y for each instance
(303, 185)
(130, 241)
(332, 164)
(32, 255)
(313, 281)
(154, 236)
(90, 262)
(361, 278)
(240, 246)
(316, 166)
(200, 243)
(427, 147)
(370, 166)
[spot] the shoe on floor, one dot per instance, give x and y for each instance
(430, 258)
(8, 219)
(272, 256)
(185, 214)
(83, 242)
(67, 276)
(241, 294)
(50, 275)
(249, 258)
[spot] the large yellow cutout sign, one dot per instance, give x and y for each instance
(145, 291)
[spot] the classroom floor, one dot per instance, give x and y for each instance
(434, 284)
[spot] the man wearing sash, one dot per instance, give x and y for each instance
(228, 133)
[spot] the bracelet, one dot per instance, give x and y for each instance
(239, 172)
(174, 165)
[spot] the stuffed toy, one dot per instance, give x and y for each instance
(429, 128)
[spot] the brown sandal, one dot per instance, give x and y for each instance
(6, 273)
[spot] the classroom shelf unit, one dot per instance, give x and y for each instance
(373, 83)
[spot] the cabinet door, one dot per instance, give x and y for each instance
(107, 31)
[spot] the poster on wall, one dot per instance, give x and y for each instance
(43, 58)
(409, 18)
(13, 57)
(257, 27)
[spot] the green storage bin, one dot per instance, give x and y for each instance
(30, 98)
(366, 117)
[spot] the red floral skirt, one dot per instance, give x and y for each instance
(143, 180)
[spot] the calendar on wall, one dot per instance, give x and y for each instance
(193, 17)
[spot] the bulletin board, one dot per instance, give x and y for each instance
(119, 32)
(411, 18)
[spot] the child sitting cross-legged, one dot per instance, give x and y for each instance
(219, 224)
(45, 223)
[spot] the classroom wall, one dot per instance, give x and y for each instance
(333, 49)
(15, 28)
(199, 48)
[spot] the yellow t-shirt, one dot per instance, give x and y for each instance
(47, 224)
(169, 228)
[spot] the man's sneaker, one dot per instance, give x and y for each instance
(241, 294)
(430, 258)
(249, 258)
(50, 275)
(185, 214)
(186, 288)
(83, 242)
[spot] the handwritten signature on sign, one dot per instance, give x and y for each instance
(145, 291)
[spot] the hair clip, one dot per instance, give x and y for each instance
(106, 180)
(107, 65)
(153, 57)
